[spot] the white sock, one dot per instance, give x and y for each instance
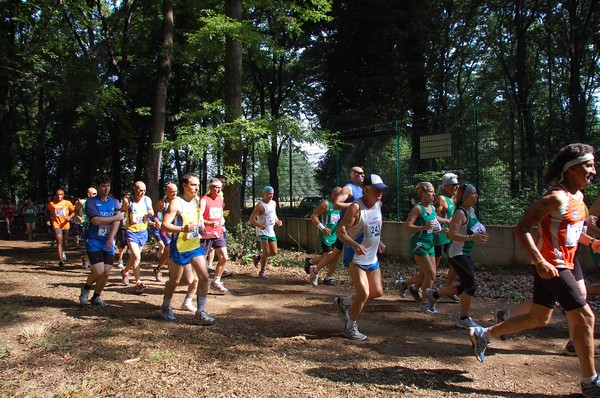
(588, 380)
(217, 279)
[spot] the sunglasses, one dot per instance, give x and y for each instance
(360, 173)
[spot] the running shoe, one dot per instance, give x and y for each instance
(431, 301)
(501, 315)
(570, 350)
(592, 389)
(204, 318)
(307, 265)
(125, 278)
(188, 305)
(121, 265)
(263, 274)
(140, 287)
(84, 263)
(158, 275)
(401, 286)
(466, 323)
(416, 293)
(256, 259)
(453, 297)
(84, 296)
(314, 275)
(328, 281)
(64, 256)
(344, 310)
(226, 273)
(353, 334)
(167, 313)
(97, 301)
(61, 264)
(425, 308)
(218, 286)
(478, 342)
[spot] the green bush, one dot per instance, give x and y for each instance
(242, 243)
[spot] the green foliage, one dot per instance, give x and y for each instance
(242, 243)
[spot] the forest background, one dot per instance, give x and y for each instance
(149, 90)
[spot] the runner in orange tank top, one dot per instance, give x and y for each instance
(559, 215)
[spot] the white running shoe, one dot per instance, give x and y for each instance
(466, 323)
(353, 333)
(64, 256)
(188, 305)
(218, 286)
(84, 296)
(121, 265)
(99, 302)
(314, 275)
(204, 318)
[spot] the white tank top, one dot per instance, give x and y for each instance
(369, 225)
(268, 219)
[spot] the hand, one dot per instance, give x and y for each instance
(595, 245)
(119, 216)
(429, 225)
(381, 247)
(202, 230)
(326, 231)
(359, 249)
(481, 238)
(445, 230)
(546, 270)
(109, 242)
(157, 223)
(279, 223)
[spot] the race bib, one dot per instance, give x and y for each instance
(334, 218)
(104, 230)
(192, 234)
(478, 228)
(60, 212)
(215, 213)
(269, 220)
(138, 219)
(573, 234)
(437, 227)
(374, 229)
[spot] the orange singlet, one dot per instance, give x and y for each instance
(558, 232)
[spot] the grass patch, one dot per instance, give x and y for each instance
(36, 335)
(159, 355)
(8, 310)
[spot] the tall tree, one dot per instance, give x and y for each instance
(233, 110)
(154, 157)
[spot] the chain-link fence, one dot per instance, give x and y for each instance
(403, 156)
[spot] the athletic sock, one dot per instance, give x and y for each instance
(588, 380)
(201, 301)
(350, 324)
(217, 279)
(166, 302)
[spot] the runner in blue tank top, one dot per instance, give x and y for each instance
(104, 215)
(350, 192)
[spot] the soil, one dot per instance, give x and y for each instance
(276, 337)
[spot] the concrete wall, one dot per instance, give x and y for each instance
(502, 249)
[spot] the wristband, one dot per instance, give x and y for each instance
(539, 262)
(181, 228)
(321, 226)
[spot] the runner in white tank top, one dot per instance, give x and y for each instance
(363, 217)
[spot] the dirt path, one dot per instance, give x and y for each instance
(273, 338)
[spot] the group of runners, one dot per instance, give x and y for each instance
(350, 222)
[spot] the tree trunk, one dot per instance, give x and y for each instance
(233, 110)
(154, 157)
